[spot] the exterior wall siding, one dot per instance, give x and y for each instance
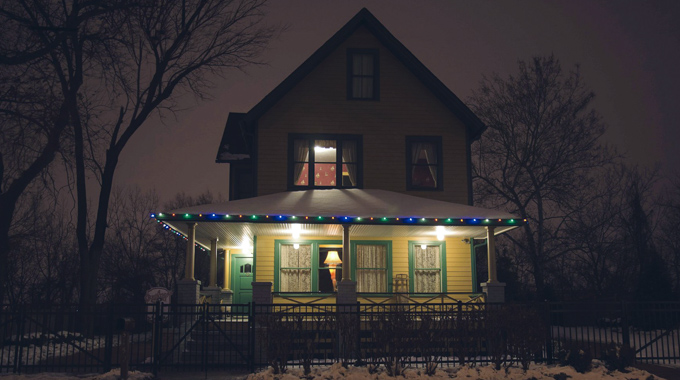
(458, 265)
(318, 104)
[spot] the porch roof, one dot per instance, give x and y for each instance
(322, 212)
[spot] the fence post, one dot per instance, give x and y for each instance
(251, 343)
(20, 337)
(625, 329)
(158, 336)
(204, 348)
(549, 338)
(108, 348)
(358, 316)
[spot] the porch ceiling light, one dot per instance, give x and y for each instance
(440, 233)
(296, 230)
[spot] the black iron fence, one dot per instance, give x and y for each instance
(199, 337)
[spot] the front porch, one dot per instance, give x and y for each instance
(280, 244)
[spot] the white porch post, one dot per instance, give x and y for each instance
(346, 271)
(227, 294)
(191, 242)
(347, 289)
(494, 290)
(188, 288)
(491, 254)
(213, 262)
(212, 291)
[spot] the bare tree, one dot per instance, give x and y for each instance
(669, 237)
(132, 255)
(156, 52)
(41, 59)
(537, 156)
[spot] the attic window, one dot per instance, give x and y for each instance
(363, 78)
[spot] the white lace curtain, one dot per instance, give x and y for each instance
(296, 268)
(427, 271)
(349, 156)
(371, 268)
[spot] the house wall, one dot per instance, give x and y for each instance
(318, 104)
(458, 261)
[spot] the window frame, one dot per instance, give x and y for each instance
(314, 268)
(376, 73)
(358, 139)
(411, 265)
(437, 141)
(388, 260)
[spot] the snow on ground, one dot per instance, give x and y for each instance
(111, 375)
(538, 372)
(63, 343)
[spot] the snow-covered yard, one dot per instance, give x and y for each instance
(64, 343)
(537, 372)
(111, 375)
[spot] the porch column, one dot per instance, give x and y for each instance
(491, 253)
(213, 262)
(347, 289)
(191, 242)
(346, 268)
(494, 290)
(227, 265)
(211, 291)
(227, 294)
(188, 288)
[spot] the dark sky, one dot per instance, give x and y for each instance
(629, 52)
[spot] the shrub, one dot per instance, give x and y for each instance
(618, 357)
(579, 358)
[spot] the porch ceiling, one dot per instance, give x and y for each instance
(321, 213)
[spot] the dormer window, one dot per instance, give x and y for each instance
(324, 161)
(363, 80)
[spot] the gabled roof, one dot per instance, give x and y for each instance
(365, 18)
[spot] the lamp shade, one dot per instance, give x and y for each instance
(332, 258)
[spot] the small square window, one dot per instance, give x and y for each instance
(362, 74)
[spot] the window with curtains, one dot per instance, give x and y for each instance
(303, 269)
(363, 75)
(372, 269)
(324, 161)
(295, 268)
(424, 163)
(427, 263)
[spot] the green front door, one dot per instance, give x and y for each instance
(242, 278)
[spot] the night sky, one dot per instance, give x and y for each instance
(629, 52)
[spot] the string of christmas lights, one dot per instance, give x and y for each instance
(338, 220)
(183, 236)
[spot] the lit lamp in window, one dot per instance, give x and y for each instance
(333, 260)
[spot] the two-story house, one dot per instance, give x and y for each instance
(350, 181)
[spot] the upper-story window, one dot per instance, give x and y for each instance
(363, 79)
(324, 161)
(424, 163)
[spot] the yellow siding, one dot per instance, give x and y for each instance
(318, 104)
(458, 265)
